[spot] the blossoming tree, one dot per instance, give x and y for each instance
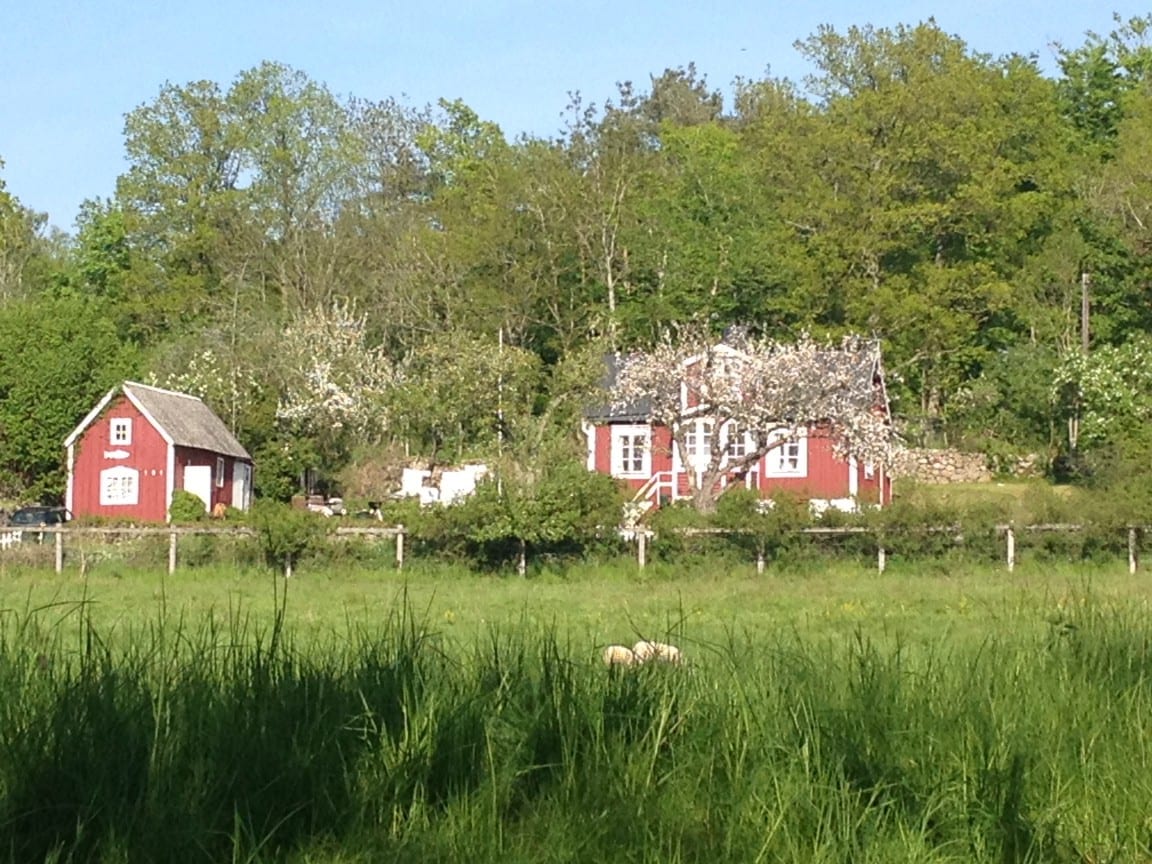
(761, 392)
(337, 381)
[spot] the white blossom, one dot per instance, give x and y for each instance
(773, 392)
(338, 381)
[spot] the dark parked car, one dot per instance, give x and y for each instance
(37, 516)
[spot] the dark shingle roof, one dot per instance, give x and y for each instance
(637, 411)
(185, 419)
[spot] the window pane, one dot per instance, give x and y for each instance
(119, 486)
(629, 451)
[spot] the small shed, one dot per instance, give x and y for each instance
(140, 444)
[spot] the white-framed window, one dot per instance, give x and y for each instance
(121, 430)
(869, 471)
(698, 443)
(119, 486)
(631, 450)
(736, 440)
(788, 456)
(219, 472)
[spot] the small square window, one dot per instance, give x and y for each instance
(121, 430)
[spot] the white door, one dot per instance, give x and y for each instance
(198, 481)
(241, 483)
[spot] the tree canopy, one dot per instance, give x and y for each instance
(950, 205)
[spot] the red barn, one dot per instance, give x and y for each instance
(624, 444)
(140, 444)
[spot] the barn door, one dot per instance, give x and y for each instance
(198, 481)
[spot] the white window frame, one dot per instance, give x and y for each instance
(119, 487)
(120, 430)
(698, 443)
(624, 438)
(789, 459)
(219, 472)
(737, 441)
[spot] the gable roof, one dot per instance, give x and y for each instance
(181, 419)
(609, 412)
(863, 364)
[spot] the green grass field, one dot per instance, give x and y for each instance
(830, 715)
(588, 604)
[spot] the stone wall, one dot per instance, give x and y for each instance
(940, 466)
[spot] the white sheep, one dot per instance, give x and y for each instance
(618, 655)
(644, 650)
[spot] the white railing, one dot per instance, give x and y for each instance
(654, 485)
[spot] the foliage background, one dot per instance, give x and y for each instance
(341, 277)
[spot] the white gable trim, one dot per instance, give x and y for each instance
(162, 390)
(169, 481)
(108, 397)
(92, 415)
(68, 491)
(719, 348)
(589, 431)
(147, 415)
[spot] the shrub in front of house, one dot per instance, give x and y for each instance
(186, 507)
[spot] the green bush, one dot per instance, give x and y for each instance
(186, 507)
(286, 534)
(767, 528)
(567, 511)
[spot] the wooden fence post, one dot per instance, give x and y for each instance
(1011, 535)
(760, 560)
(1133, 558)
(59, 552)
(881, 558)
(642, 547)
(399, 547)
(171, 553)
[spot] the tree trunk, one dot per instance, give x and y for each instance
(708, 491)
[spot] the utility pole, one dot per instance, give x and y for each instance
(500, 414)
(1085, 283)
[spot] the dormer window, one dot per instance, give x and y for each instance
(121, 430)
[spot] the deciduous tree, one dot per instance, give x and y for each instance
(336, 383)
(760, 394)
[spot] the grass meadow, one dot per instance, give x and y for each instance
(928, 714)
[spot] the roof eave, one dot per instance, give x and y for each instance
(91, 416)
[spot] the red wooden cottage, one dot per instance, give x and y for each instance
(623, 443)
(140, 444)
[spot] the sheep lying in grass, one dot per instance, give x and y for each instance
(645, 650)
(618, 655)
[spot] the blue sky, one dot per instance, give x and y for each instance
(70, 70)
